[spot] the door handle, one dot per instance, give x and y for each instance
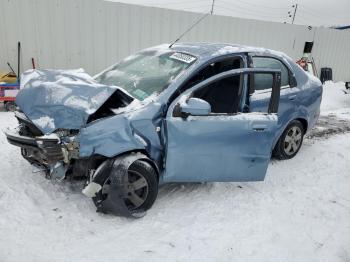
(259, 128)
(292, 97)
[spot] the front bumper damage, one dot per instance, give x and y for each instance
(47, 149)
(53, 156)
(45, 152)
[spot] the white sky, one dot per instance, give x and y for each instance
(310, 12)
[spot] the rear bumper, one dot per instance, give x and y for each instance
(41, 150)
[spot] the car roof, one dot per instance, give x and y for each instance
(206, 50)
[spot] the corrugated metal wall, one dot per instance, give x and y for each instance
(93, 34)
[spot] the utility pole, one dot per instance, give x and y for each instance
(212, 7)
(295, 12)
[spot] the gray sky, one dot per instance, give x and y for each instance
(310, 12)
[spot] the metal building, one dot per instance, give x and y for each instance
(93, 34)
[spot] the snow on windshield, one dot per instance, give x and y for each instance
(147, 72)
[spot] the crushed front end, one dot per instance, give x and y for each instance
(56, 154)
(71, 127)
(54, 106)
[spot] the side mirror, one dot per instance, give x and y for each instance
(195, 107)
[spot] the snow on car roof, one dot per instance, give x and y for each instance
(205, 50)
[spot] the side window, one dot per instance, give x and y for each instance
(264, 81)
(260, 101)
(213, 69)
(223, 95)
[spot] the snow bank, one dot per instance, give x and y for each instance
(334, 96)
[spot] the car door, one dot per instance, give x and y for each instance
(220, 146)
(259, 100)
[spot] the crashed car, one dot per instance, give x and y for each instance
(185, 113)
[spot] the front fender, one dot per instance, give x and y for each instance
(109, 137)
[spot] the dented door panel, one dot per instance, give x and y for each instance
(219, 148)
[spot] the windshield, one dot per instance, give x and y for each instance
(147, 72)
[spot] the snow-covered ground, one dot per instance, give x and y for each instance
(301, 212)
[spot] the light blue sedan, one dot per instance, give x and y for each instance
(187, 113)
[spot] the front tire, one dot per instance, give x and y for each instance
(142, 187)
(10, 106)
(290, 141)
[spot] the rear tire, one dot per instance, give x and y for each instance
(290, 141)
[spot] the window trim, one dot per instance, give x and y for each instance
(274, 99)
(178, 91)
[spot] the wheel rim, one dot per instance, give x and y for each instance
(135, 186)
(292, 141)
(12, 107)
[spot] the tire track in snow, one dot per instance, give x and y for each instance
(329, 125)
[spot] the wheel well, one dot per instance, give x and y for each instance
(149, 160)
(99, 159)
(153, 164)
(304, 123)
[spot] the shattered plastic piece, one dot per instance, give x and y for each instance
(37, 168)
(91, 189)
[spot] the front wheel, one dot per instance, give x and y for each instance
(141, 187)
(290, 142)
(10, 106)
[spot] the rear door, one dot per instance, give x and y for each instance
(259, 99)
(220, 146)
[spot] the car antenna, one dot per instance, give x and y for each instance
(190, 28)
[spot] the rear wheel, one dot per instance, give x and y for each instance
(141, 187)
(290, 142)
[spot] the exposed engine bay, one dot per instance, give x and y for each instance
(117, 100)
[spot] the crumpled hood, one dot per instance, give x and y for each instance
(54, 99)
